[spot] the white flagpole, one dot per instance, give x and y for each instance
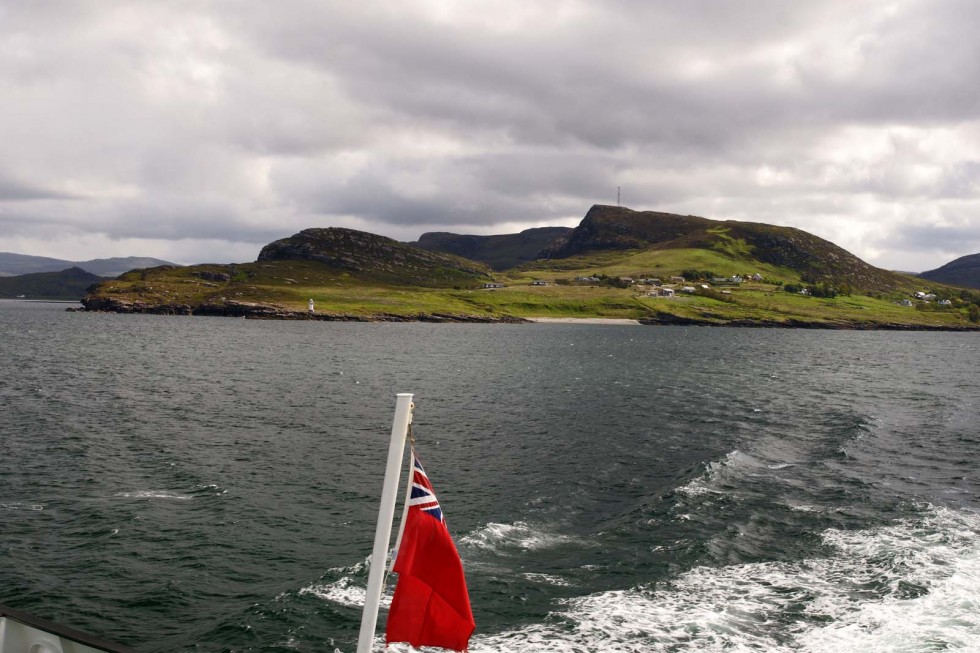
(408, 497)
(382, 534)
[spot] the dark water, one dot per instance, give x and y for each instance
(199, 484)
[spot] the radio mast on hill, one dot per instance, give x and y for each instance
(618, 188)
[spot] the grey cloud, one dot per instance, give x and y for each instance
(247, 120)
(13, 190)
(925, 236)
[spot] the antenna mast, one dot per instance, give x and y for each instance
(618, 188)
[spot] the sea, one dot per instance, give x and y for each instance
(212, 484)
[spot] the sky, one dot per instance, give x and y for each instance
(200, 130)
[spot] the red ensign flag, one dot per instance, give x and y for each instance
(431, 606)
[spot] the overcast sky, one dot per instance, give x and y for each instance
(201, 130)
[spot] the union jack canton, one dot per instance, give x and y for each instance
(423, 496)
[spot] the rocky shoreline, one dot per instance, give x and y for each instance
(258, 311)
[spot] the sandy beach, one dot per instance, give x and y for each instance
(583, 320)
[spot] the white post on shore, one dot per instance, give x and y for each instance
(382, 534)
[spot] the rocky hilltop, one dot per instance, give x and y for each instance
(372, 256)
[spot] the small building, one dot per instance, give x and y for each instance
(662, 292)
(628, 280)
(689, 289)
(493, 286)
(945, 302)
(736, 279)
(538, 282)
(677, 279)
(906, 302)
(705, 286)
(756, 277)
(652, 281)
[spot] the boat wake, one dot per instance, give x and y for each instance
(907, 587)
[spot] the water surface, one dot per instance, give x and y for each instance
(211, 484)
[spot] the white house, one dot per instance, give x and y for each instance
(662, 292)
(492, 286)
(537, 282)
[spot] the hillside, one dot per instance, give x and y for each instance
(72, 283)
(964, 271)
(813, 258)
(374, 257)
(349, 274)
(17, 264)
(617, 264)
(500, 252)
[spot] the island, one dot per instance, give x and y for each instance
(653, 267)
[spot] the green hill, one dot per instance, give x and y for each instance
(814, 259)
(349, 274)
(72, 283)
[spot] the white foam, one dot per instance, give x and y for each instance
(345, 591)
(547, 579)
(520, 536)
(154, 494)
(908, 587)
(21, 506)
(713, 471)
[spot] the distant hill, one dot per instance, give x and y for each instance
(72, 283)
(15, 264)
(815, 259)
(964, 271)
(500, 252)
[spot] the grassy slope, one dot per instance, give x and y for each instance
(289, 284)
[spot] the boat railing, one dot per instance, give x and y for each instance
(21, 632)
